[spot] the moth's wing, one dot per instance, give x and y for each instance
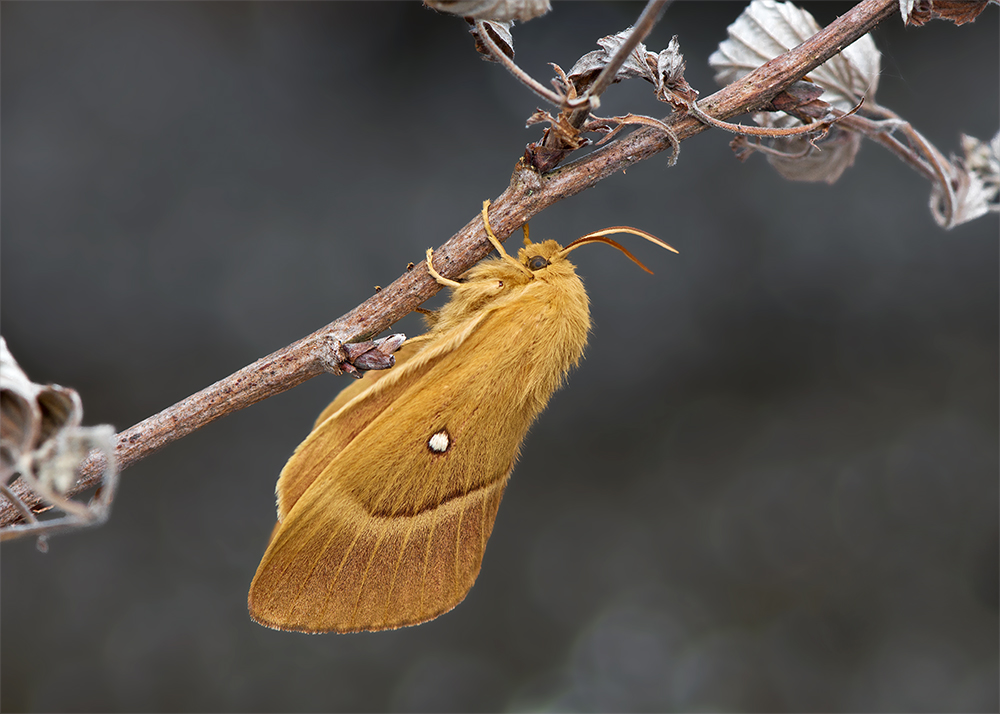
(391, 532)
(322, 445)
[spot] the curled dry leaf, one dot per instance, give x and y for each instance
(31, 414)
(499, 10)
(500, 34)
(669, 80)
(983, 158)
(975, 184)
(763, 31)
(905, 8)
(918, 12)
(42, 444)
(586, 69)
(665, 70)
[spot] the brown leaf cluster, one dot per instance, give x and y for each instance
(664, 70)
(960, 12)
(42, 445)
(499, 32)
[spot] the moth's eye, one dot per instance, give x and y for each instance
(537, 263)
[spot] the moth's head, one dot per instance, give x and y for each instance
(544, 258)
(548, 257)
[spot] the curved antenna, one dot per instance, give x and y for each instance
(599, 237)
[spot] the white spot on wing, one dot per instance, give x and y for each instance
(439, 443)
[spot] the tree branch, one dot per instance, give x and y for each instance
(528, 194)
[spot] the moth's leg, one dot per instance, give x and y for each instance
(489, 231)
(436, 275)
(496, 242)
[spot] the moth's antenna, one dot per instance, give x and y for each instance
(599, 237)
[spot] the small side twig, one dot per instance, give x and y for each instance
(818, 127)
(523, 77)
(921, 155)
(640, 120)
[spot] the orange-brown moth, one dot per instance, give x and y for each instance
(385, 509)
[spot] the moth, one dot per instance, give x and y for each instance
(385, 509)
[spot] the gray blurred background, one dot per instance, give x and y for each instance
(784, 498)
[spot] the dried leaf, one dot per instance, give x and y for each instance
(499, 10)
(31, 413)
(590, 65)
(919, 12)
(664, 70)
(43, 445)
(975, 183)
(669, 80)
(981, 157)
(958, 11)
(500, 34)
(767, 28)
(806, 162)
(972, 199)
(905, 8)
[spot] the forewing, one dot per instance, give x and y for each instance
(323, 444)
(391, 532)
